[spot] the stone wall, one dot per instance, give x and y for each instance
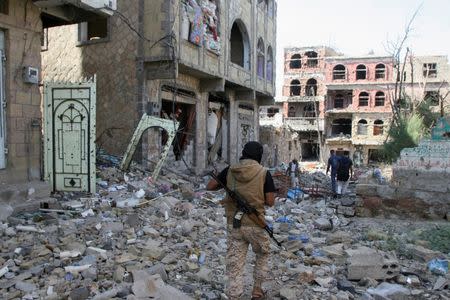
(114, 62)
(280, 145)
(22, 28)
(420, 183)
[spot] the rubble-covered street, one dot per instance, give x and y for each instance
(139, 239)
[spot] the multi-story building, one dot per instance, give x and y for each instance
(209, 63)
(358, 104)
(336, 102)
(332, 101)
(22, 37)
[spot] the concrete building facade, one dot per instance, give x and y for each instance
(210, 64)
(22, 37)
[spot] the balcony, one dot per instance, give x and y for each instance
(304, 123)
(303, 98)
(65, 12)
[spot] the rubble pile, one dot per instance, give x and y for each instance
(166, 239)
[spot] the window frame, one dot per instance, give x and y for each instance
(260, 59)
(5, 6)
(378, 98)
(339, 97)
(295, 60)
(378, 129)
(362, 127)
(430, 70)
(339, 72)
(380, 72)
(359, 71)
(292, 86)
(365, 95)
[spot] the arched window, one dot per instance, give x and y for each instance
(378, 127)
(240, 45)
(380, 99)
(269, 64)
(380, 71)
(296, 61)
(362, 127)
(311, 87)
(363, 99)
(295, 88)
(339, 72)
(260, 60)
(309, 111)
(361, 72)
(338, 101)
(341, 127)
(312, 62)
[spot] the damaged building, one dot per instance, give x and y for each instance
(207, 64)
(344, 103)
(23, 37)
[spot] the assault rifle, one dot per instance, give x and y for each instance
(247, 209)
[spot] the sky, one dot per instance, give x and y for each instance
(356, 27)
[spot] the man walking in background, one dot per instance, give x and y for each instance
(293, 171)
(344, 173)
(333, 162)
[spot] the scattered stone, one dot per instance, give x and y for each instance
(158, 269)
(322, 224)
(25, 287)
(81, 293)
(390, 291)
(5, 211)
(288, 294)
(345, 285)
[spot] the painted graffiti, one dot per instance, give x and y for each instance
(428, 156)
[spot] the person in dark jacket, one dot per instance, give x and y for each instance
(343, 174)
(333, 162)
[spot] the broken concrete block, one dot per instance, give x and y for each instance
(421, 253)
(158, 269)
(5, 211)
(334, 251)
(81, 293)
(322, 224)
(346, 211)
(366, 189)
(146, 286)
(288, 293)
(366, 262)
(390, 291)
(25, 287)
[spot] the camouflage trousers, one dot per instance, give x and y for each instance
(237, 244)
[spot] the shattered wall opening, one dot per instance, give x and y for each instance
(341, 126)
(311, 87)
(310, 151)
(94, 30)
(184, 113)
(375, 155)
(217, 132)
(312, 61)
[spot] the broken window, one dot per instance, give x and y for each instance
(432, 97)
(378, 127)
(269, 64)
(363, 99)
(291, 112)
(339, 72)
(362, 127)
(338, 101)
(95, 30)
(295, 88)
(341, 127)
(309, 111)
(361, 72)
(312, 61)
(296, 61)
(260, 58)
(311, 87)
(380, 99)
(4, 7)
(239, 46)
(271, 111)
(430, 70)
(380, 71)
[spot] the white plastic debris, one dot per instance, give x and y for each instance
(139, 194)
(3, 271)
(98, 226)
(50, 290)
(29, 229)
(166, 215)
(69, 254)
(76, 269)
(128, 203)
(88, 213)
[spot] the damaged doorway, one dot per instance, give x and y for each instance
(217, 128)
(310, 151)
(183, 113)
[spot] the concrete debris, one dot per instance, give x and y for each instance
(144, 239)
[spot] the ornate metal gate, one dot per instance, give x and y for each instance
(70, 135)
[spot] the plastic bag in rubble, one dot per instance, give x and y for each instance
(438, 266)
(377, 174)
